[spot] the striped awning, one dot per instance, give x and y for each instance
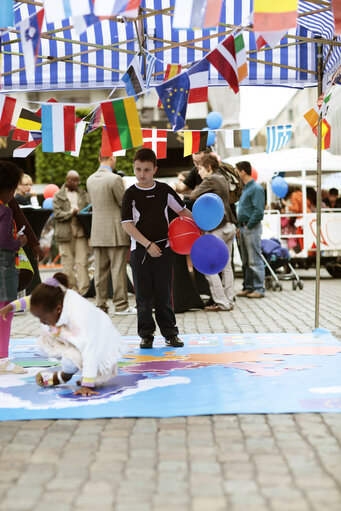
(98, 57)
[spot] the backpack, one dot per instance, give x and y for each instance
(234, 181)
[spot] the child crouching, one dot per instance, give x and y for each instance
(74, 331)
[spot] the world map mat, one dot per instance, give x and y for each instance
(213, 374)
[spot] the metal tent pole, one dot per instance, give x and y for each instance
(318, 190)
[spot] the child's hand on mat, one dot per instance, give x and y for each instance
(5, 310)
(154, 250)
(85, 391)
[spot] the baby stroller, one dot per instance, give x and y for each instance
(275, 257)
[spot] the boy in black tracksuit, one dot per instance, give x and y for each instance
(145, 219)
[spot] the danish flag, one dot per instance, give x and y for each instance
(157, 141)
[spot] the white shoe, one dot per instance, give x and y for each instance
(7, 367)
(130, 310)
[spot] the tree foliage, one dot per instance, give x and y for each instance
(53, 167)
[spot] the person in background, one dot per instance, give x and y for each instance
(193, 179)
(70, 236)
(333, 200)
(250, 216)
(108, 239)
(24, 195)
(222, 288)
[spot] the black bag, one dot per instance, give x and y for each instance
(234, 181)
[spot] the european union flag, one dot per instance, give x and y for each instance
(174, 96)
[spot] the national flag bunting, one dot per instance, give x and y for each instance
(82, 23)
(278, 137)
(26, 149)
(239, 47)
(171, 71)
(270, 16)
(223, 58)
(95, 120)
(122, 122)
(6, 13)
(198, 82)
(150, 64)
(325, 133)
(194, 142)
(237, 138)
(132, 78)
(114, 7)
(30, 30)
(80, 129)
(28, 120)
(174, 96)
(270, 38)
(156, 140)
(312, 116)
(24, 135)
(337, 15)
(56, 10)
(7, 106)
(197, 13)
(106, 150)
(58, 128)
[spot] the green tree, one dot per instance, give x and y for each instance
(53, 167)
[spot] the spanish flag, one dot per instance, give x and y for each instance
(194, 142)
(122, 122)
(272, 15)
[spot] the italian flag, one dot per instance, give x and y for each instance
(122, 123)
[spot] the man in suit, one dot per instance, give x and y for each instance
(108, 239)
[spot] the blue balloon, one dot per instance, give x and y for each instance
(209, 254)
(214, 120)
(280, 187)
(208, 211)
(48, 203)
(210, 137)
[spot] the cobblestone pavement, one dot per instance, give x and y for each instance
(288, 462)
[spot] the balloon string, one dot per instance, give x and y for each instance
(167, 239)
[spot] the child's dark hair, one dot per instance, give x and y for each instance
(49, 296)
(10, 176)
(145, 154)
(210, 159)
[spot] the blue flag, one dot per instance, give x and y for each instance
(174, 96)
(6, 13)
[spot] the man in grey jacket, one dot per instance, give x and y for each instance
(70, 236)
(108, 238)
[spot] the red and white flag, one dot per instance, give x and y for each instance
(157, 141)
(223, 58)
(198, 82)
(30, 30)
(171, 71)
(26, 149)
(7, 106)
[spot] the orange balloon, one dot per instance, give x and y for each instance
(254, 173)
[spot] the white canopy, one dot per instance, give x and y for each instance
(287, 160)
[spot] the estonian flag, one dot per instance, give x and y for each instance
(133, 79)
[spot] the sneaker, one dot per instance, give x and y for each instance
(129, 310)
(243, 293)
(216, 308)
(174, 341)
(147, 342)
(255, 294)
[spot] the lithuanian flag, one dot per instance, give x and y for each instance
(274, 15)
(122, 123)
(194, 142)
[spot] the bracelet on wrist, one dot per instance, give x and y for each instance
(149, 245)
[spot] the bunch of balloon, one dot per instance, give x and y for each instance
(214, 120)
(50, 190)
(209, 253)
(182, 233)
(48, 203)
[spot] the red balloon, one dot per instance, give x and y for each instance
(254, 173)
(182, 233)
(50, 190)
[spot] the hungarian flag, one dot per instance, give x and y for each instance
(7, 106)
(58, 128)
(194, 142)
(30, 30)
(198, 82)
(223, 58)
(270, 15)
(171, 71)
(197, 13)
(326, 133)
(157, 141)
(122, 122)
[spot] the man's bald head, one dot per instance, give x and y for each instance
(72, 180)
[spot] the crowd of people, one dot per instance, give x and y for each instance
(81, 334)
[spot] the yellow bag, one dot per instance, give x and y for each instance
(24, 262)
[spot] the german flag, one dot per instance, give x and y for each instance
(29, 121)
(194, 142)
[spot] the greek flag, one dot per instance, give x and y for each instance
(278, 137)
(150, 64)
